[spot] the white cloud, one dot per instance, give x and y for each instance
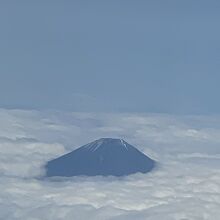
(186, 184)
(25, 159)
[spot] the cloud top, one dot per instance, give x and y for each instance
(186, 184)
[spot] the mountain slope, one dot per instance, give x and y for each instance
(105, 157)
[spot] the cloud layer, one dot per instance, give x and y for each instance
(186, 184)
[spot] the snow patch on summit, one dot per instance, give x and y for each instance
(94, 145)
(124, 144)
(97, 145)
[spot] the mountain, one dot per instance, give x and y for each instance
(106, 156)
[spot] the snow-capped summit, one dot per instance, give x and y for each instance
(106, 142)
(106, 156)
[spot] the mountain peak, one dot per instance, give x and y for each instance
(106, 142)
(105, 156)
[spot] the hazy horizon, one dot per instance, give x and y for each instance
(111, 56)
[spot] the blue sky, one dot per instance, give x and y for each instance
(123, 56)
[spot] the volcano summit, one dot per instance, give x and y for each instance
(106, 157)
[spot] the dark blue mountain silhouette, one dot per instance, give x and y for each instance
(104, 157)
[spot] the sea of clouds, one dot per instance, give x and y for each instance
(185, 185)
